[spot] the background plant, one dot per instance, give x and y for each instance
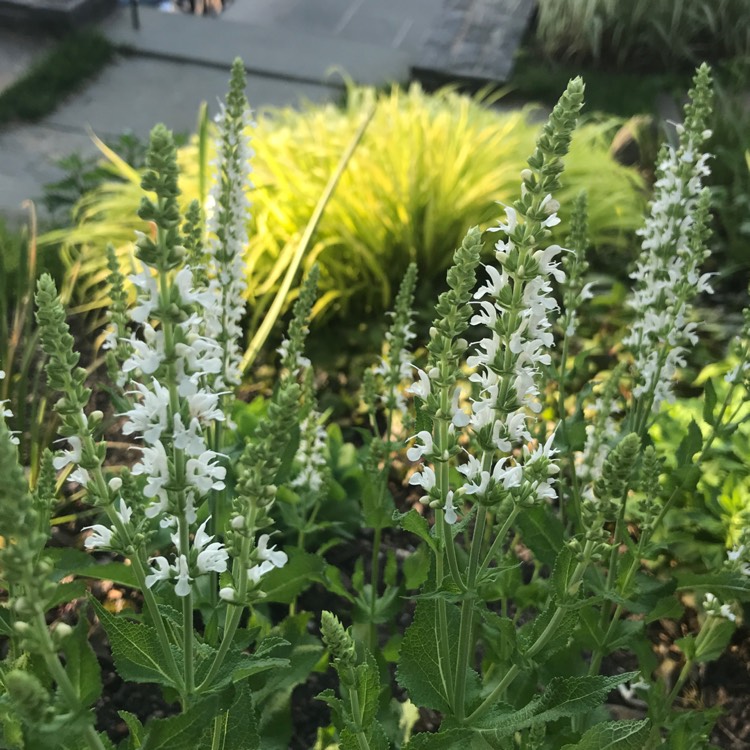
(639, 34)
(424, 188)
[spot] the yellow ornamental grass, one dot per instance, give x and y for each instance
(428, 167)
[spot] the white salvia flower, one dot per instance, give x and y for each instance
(204, 475)
(182, 587)
(301, 362)
(148, 295)
(101, 536)
(666, 273)
(311, 454)
(256, 572)
(149, 417)
(421, 388)
(277, 558)
(160, 571)
(450, 509)
(211, 557)
(204, 407)
(73, 456)
(154, 465)
(189, 439)
(478, 487)
(459, 418)
(425, 478)
(227, 229)
(147, 355)
(416, 452)
(270, 558)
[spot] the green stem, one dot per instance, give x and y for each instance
(234, 613)
(443, 641)
(217, 736)
(499, 539)
(374, 581)
(148, 597)
(187, 614)
(466, 644)
(357, 712)
(538, 645)
(60, 676)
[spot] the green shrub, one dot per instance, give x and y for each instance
(428, 167)
(643, 34)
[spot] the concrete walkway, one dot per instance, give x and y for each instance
(175, 61)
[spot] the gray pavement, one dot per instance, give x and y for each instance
(290, 49)
(394, 24)
(132, 94)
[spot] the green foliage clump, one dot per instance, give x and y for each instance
(643, 35)
(427, 168)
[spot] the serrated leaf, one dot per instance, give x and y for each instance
(135, 647)
(420, 668)
(564, 697)
(542, 532)
(416, 524)
(368, 689)
(81, 664)
(614, 735)
(453, 739)
(239, 728)
(724, 584)
(285, 584)
(181, 732)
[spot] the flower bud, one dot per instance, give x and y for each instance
(62, 631)
(238, 522)
(114, 484)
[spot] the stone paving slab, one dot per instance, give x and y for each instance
(274, 51)
(476, 39)
(131, 94)
(393, 24)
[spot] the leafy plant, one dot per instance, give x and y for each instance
(424, 186)
(528, 572)
(642, 35)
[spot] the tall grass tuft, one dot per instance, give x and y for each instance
(427, 168)
(644, 34)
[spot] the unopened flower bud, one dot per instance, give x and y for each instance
(62, 631)
(238, 522)
(227, 594)
(114, 484)
(95, 418)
